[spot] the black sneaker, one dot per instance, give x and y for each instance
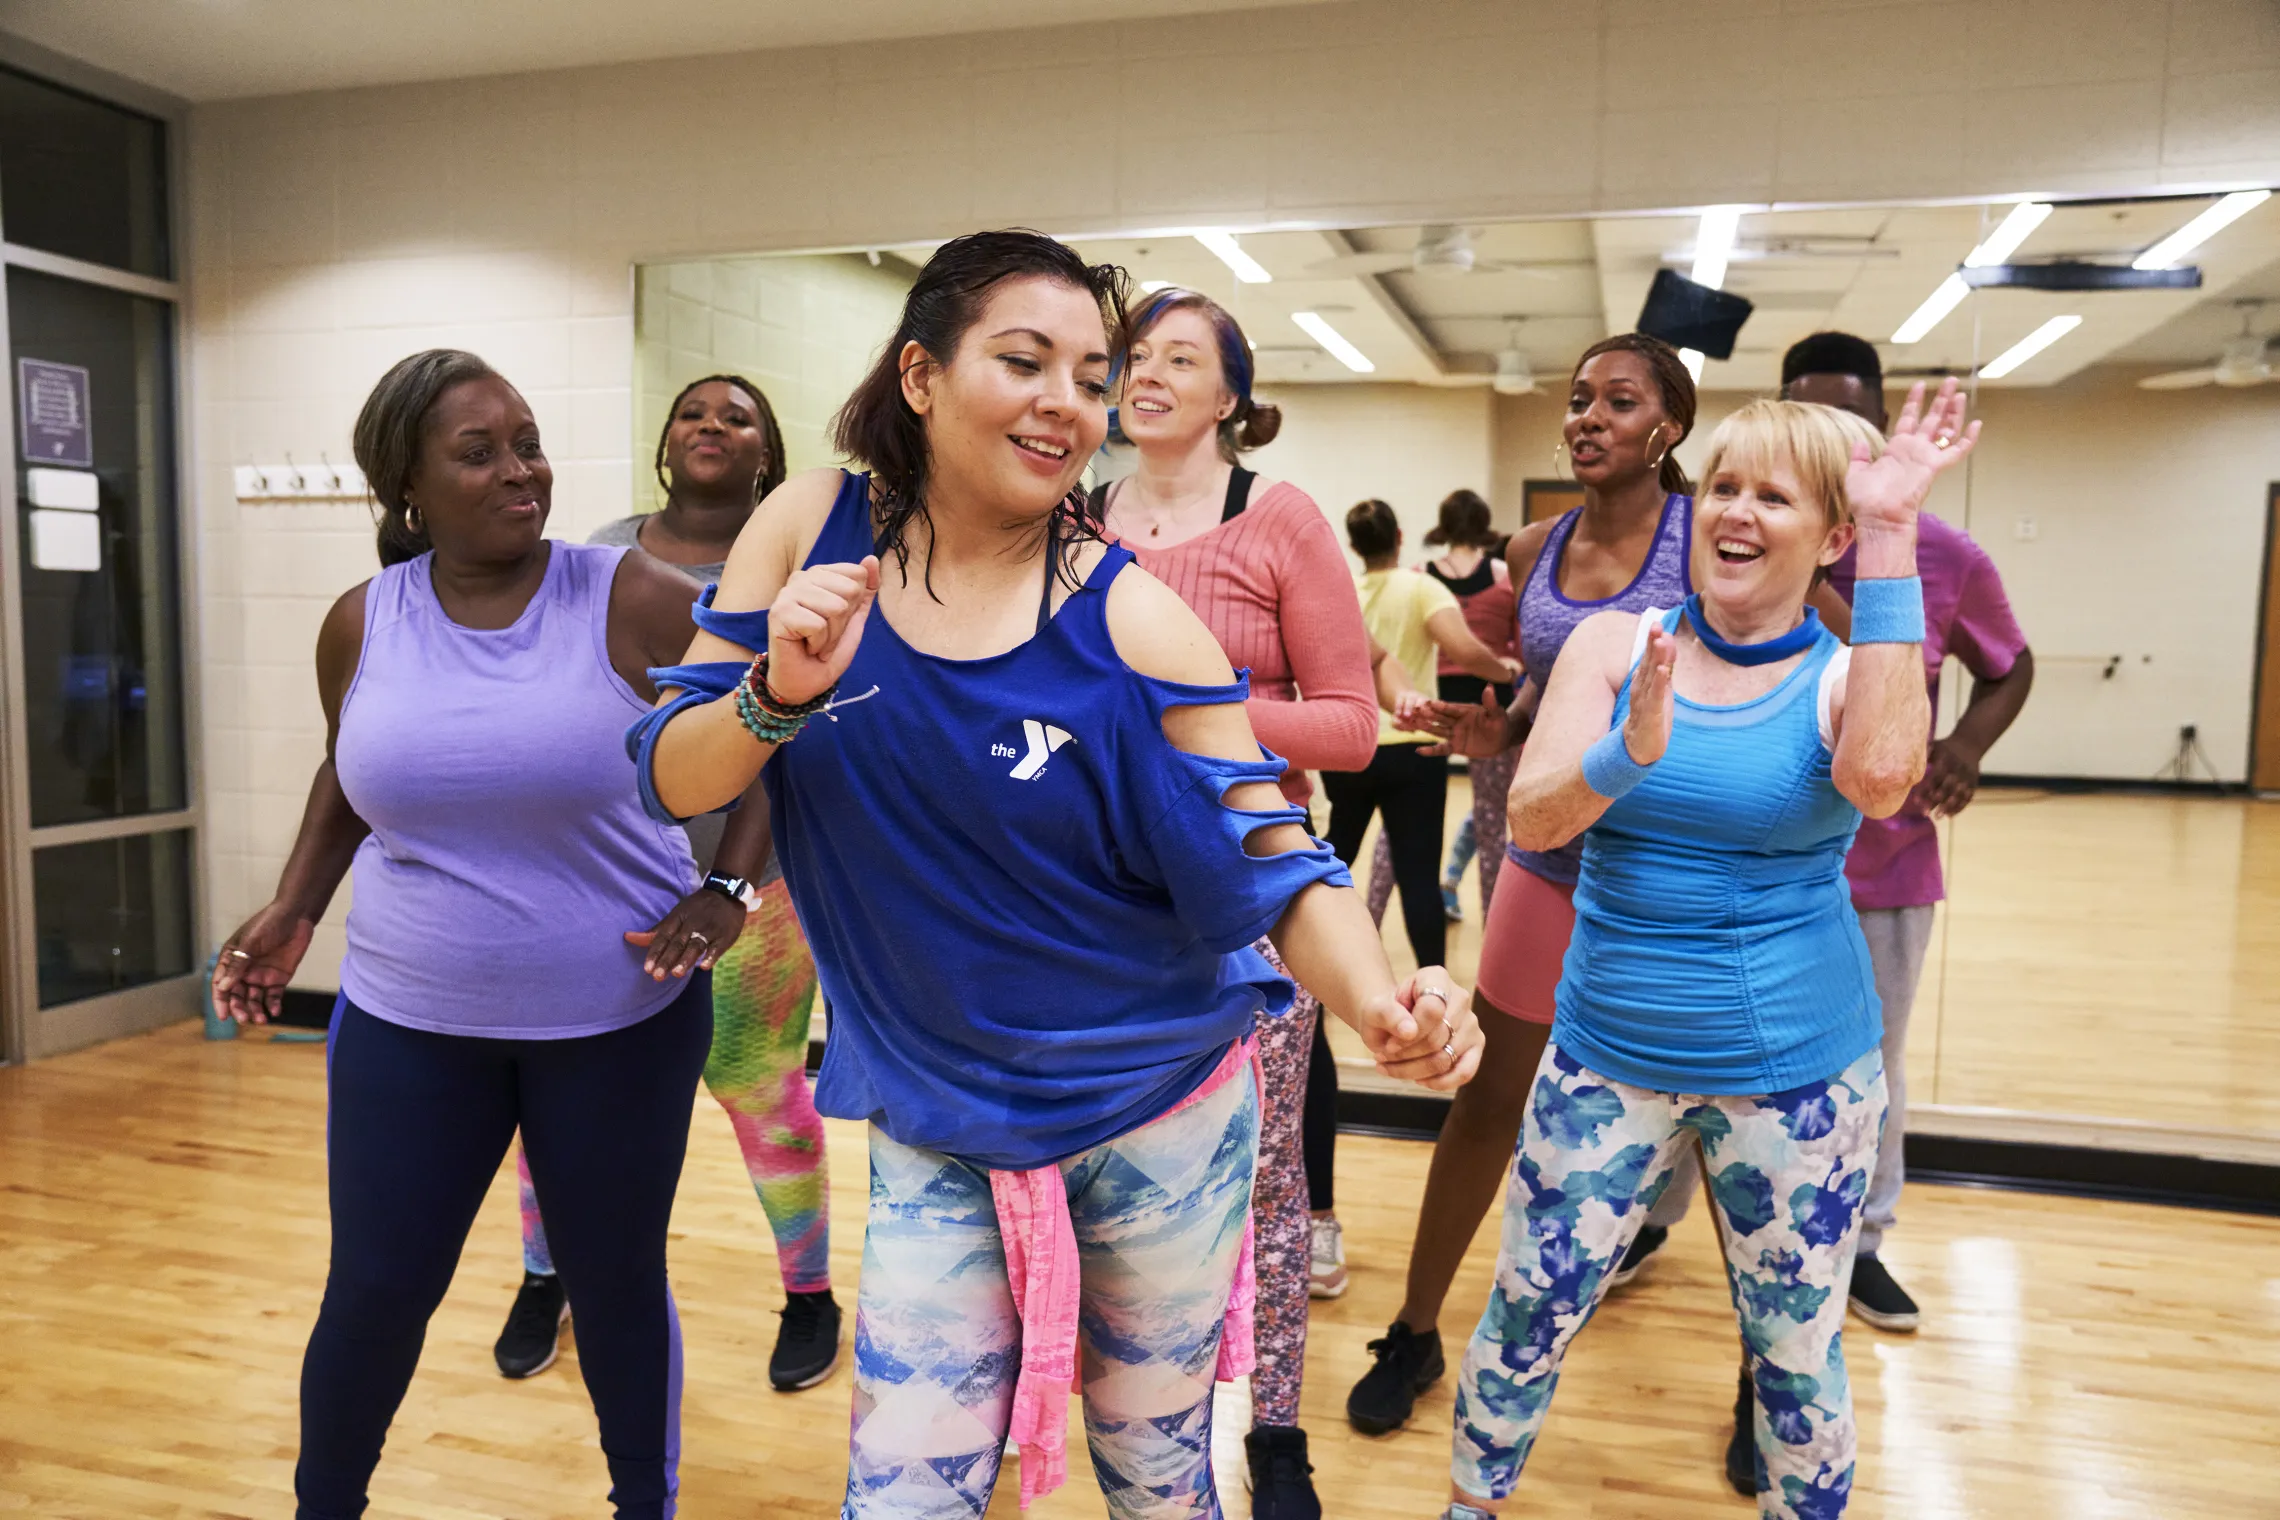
(1741, 1451)
(1282, 1480)
(1879, 1300)
(1407, 1365)
(807, 1342)
(1641, 1256)
(533, 1337)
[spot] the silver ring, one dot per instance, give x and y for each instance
(699, 938)
(241, 955)
(1449, 1049)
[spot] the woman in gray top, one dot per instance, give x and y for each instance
(719, 454)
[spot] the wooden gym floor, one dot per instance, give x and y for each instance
(162, 1250)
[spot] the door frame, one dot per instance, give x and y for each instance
(2266, 610)
(28, 1031)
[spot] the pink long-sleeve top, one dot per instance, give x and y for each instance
(1273, 587)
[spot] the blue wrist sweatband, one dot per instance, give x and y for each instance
(1888, 611)
(1608, 768)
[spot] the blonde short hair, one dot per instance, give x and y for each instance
(1814, 442)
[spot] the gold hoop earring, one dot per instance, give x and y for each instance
(412, 520)
(1559, 456)
(1657, 462)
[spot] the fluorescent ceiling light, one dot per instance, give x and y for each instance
(2009, 233)
(1247, 269)
(1150, 287)
(2029, 346)
(1333, 340)
(1714, 244)
(2202, 228)
(1692, 358)
(1938, 304)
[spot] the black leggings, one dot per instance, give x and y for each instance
(416, 1128)
(1410, 789)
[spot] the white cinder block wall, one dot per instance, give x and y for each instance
(331, 233)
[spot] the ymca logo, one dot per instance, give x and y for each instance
(1043, 739)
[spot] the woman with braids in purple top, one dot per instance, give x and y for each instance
(1630, 405)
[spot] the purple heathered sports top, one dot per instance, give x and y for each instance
(1547, 618)
(509, 852)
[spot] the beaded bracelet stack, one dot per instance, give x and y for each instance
(767, 717)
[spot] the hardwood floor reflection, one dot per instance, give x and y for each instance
(162, 1245)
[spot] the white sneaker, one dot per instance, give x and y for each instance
(1326, 1273)
(1230, 1465)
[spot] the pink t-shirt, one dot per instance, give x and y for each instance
(1895, 862)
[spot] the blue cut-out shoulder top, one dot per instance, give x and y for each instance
(1031, 913)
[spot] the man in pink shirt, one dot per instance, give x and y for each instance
(1894, 867)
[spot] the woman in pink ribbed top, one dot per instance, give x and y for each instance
(1262, 566)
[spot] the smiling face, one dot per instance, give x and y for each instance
(1022, 405)
(482, 486)
(1617, 428)
(715, 444)
(1175, 389)
(1759, 534)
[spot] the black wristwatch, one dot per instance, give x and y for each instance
(731, 887)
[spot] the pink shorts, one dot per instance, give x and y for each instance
(1524, 943)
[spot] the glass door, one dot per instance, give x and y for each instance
(99, 818)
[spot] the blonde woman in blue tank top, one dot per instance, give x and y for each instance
(1716, 758)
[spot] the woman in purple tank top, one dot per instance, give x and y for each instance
(475, 692)
(1630, 405)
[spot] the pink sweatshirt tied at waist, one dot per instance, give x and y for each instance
(1041, 1265)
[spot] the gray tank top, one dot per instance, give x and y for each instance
(705, 831)
(1547, 617)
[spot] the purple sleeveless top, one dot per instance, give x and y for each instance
(1547, 618)
(509, 852)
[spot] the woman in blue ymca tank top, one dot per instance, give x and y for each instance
(1716, 758)
(1032, 839)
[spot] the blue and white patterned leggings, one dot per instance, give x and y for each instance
(1787, 1175)
(1159, 1216)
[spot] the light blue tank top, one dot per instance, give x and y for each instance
(509, 851)
(1716, 949)
(1031, 913)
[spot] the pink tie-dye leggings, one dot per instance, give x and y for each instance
(763, 992)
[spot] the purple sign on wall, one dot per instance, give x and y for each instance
(51, 413)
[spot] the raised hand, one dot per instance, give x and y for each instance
(1886, 492)
(815, 625)
(258, 961)
(1646, 730)
(1425, 1032)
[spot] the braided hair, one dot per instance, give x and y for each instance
(772, 464)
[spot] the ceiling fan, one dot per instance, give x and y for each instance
(1515, 376)
(1441, 250)
(2246, 360)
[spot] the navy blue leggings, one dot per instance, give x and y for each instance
(418, 1125)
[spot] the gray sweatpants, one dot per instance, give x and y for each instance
(1897, 939)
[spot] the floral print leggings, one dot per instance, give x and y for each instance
(763, 993)
(1787, 1174)
(1159, 1215)
(1283, 1234)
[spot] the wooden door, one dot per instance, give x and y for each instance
(1549, 498)
(2264, 732)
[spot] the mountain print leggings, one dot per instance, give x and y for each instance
(1787, 1174)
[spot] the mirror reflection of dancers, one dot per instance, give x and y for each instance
(1716, 760)
(1260, 564)
(1630, 405)
(476, 694)
(720, 451)
(1032, 839)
